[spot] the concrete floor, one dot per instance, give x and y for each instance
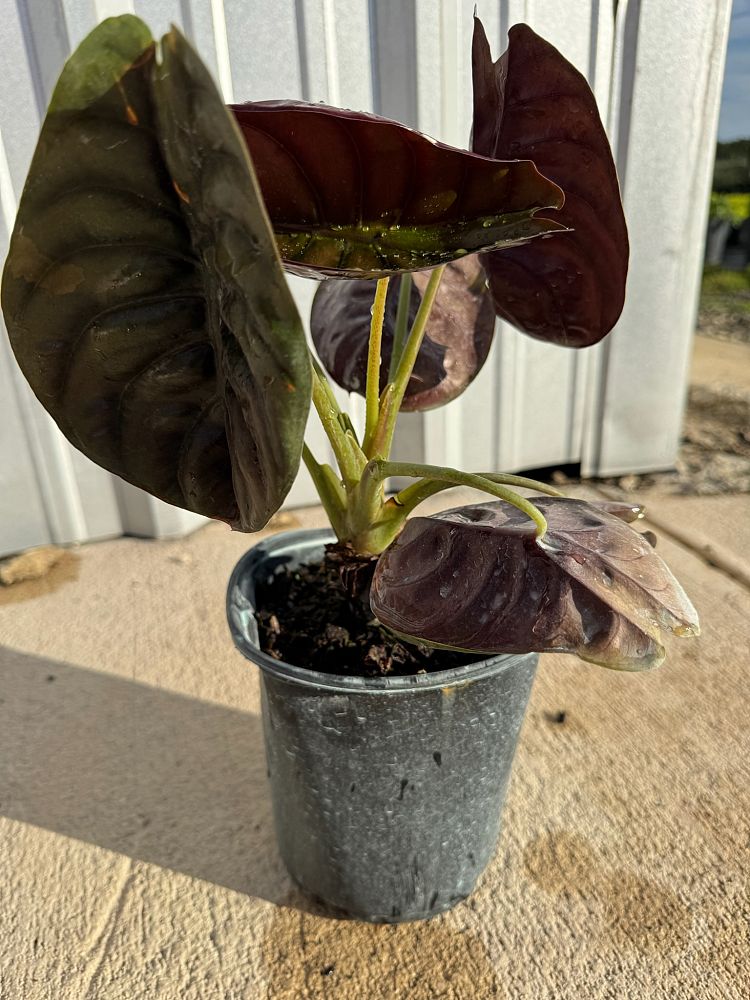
(137, 851)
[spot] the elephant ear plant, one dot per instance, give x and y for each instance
(146, 303)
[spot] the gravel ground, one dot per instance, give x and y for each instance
(714, 456)
(725, 325)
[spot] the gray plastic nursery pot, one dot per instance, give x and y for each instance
(387, 792)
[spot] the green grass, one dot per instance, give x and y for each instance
(718, 281)
(724, 291)
(727, 291)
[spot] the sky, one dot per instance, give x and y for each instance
(734, 120)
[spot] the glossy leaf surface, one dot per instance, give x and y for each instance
(533, 104)
(475, 578)
(353, 195)
(143, 295)
(455, 346)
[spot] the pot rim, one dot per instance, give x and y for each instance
(240, 614)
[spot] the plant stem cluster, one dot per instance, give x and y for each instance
(354, 497)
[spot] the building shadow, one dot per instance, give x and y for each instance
(147, 773)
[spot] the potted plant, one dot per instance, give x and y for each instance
(146, 304)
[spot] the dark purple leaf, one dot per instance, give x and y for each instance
(354, 195)
(475, 578)
(533, 104)
(456, 343)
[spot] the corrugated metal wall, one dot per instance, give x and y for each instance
(656, 68)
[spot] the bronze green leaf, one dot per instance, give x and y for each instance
(143, 295)
(352, 195)
(475, 578)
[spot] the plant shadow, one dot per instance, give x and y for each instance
(150, 774)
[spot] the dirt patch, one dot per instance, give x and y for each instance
(714, 456)
(30, 565)
(63, 570)
(725, 324)
(309, 620)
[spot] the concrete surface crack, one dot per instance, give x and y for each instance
(101, 935)
(712, 554)
(213, 936)
(303, 952)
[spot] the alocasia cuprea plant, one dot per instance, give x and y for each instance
(146, 304)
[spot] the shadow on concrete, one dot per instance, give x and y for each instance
(181, 783)
(156, 776)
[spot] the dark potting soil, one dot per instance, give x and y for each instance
(309, 619)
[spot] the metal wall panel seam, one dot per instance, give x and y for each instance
(112, 8)
(80, 18)
(644, 389)
(48, 448)
(621, 79)
(8, 203)
(198, 25)
(624, 57)
(331, 50)
(527, 435)
(443, 427)
(50, 460)
(221, 44)
(578, 34)
(356, 91)
(603, 23)
(703, 142)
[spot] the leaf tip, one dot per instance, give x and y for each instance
(100, 61)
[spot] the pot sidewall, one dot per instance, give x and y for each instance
(387, 797)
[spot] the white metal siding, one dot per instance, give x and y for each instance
(668, 69)
(656, 68)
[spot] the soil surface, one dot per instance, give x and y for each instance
(724, 325)
(310, 620)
